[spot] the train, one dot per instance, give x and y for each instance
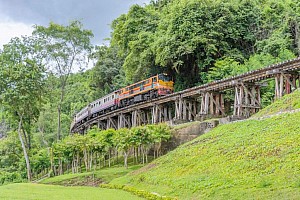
(150, 88)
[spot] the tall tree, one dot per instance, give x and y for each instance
(107, 74)
(21, 87)
(68, 48)
(133, 34)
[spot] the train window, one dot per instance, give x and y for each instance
(154, 79)
(164, 77)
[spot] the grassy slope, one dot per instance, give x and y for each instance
(286, 103)
(40, 191)
(106, 175)
(26, 191)
(244, 160)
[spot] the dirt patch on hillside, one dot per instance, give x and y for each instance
(144, 169)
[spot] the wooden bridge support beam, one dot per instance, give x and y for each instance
(212, 104)
(285, 83)
(185, 109)
(134, 118)
(139, 117)
(247, 99)
(111, 123)
(124, 121)
(101, 125)
(160, 113)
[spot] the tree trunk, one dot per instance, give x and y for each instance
(63, 83)
(125, 159)
(109, 158)
(59, 122)
(51, 161)
(24, 150)
(85, 159)
(91, 160)
(297, 37)
(117, 153)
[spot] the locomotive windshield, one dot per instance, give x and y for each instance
(164, 77)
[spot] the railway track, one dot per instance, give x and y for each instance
(251, 77)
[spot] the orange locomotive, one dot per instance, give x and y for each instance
(150, 88)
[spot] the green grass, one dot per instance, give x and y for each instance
(26, 191)
(286, 103)
(106, 175)
(244, 160)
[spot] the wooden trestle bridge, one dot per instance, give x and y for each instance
(204, 101)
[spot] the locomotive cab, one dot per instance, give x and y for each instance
(165, 84)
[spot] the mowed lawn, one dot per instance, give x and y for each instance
(27, 191)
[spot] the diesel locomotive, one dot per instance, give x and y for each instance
(153, 87)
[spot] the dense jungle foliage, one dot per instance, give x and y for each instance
(44, 79)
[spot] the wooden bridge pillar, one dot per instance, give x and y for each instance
(101, 125)
(212, 103)
(139, 117)
(134, 118)
(185, 109)
(124, 121)
(111, 123)
(285, 83)
(247, 99)
(160, 113)
(178, 109)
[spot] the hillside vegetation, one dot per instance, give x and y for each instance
(286, 103)
(245, 160)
